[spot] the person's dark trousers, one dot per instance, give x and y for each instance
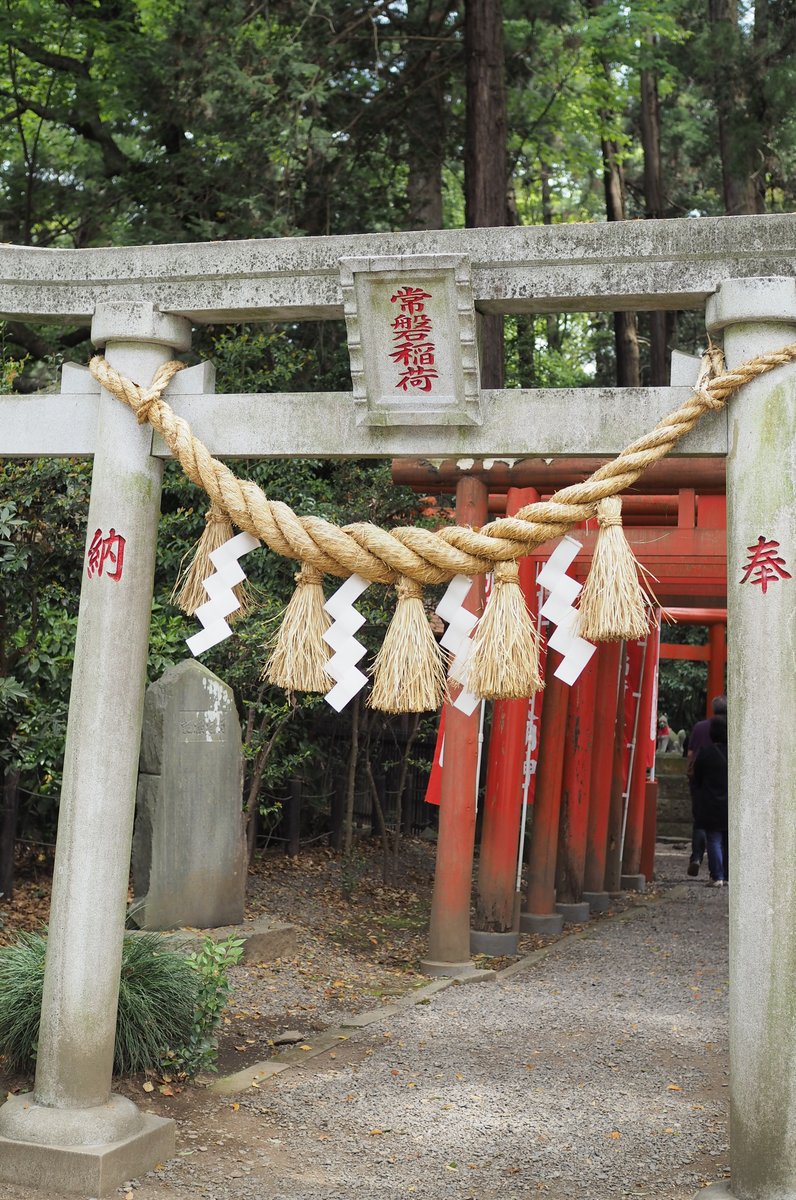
(699, 845)
(717, 854)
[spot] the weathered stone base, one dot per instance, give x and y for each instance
(87, 1170)
(548, 924)
(597, 901)
(716, 1191)
(264, 939)
(634, 883)
(574, 914)
(431, 967)
(483, 941)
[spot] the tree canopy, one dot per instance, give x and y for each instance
(155, 121)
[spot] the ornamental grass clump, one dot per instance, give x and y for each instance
(158, 998)
(157, 1003)
(21, 983)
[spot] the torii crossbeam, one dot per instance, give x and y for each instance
(73, 1134)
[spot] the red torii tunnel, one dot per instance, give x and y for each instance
(579, 755)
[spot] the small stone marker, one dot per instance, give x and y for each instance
(189, 853)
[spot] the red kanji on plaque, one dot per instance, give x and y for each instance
(413, 348)
(410, 299)
(764, 565)
(106, 555)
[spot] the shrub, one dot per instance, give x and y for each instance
(210, 965)
(169, 1005)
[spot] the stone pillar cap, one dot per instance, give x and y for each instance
(139, 321)
(767, 300)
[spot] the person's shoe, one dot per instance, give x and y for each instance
(715, 883)
(693, 868)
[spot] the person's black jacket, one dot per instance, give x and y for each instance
(710, 778)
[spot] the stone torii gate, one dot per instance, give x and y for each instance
(73, 1134)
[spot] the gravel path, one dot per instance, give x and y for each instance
(591, 1071)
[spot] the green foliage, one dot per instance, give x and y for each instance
(43, 507)
(21, 983)
(682, 685)
(158, 998)
(162, 121)
(210, 965)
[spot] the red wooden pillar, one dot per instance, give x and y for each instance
(717, 663)
(539, 915)
(613, 848)
(606, 706)
(449, 927)
(494, 930)
(650, 828)
(575, 787)
(634, 826)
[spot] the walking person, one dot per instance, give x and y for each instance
(710, 778)
(699, 738)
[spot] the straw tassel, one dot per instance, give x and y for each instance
(299, 654)
(505, 661)
(408, 673)
(613, 606)
(189, 591)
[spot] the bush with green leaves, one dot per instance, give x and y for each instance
(169, 1005)
(210, 967)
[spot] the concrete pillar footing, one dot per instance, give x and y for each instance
(575, 913)
(634, 883)
(87, 1151)
(716, 1191)
(484, 941)
(547, 924)
(598, 902)
(430, 966)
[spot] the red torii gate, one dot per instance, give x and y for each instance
(580, 853)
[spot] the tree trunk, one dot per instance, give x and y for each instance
(740, 141)
(348, 834)
(258, 768)
(410, 741)
(425, 117)
(382, 824)
(293, 820)
(337, 815)
(628, 369)
(485, 171)
(625, 325)
(553, 320)
(9, 832)
(654, 207)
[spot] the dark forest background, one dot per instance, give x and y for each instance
(151, 121)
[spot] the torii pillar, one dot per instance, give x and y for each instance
(756, 316)
(449, 924)
(73, 1134)
(495, 928)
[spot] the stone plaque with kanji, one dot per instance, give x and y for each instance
(411, 338)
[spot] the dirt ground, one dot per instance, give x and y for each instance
(359, 940)
(359, 946)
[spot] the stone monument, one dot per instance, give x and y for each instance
(189, 852)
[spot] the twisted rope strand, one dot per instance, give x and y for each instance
(422, 555)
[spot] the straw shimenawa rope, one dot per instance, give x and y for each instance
(422, 555)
